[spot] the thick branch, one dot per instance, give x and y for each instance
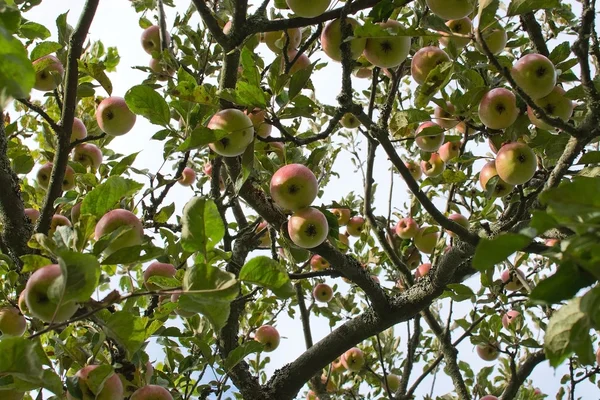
(211, 23)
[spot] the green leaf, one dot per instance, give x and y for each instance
(246, 94)
(247, 166)
(145, 101)
(436, 80)
(202, 226)
(33, 262)
(299, 81)
(568, 332)
(518, 7)
(108, 194)
(240, 352)
(82, 273)
(98, 376)
(129, 330)
(165, 213)
(33, 30)
(560, 53)
(43, 49)
(16, 71)
(124, 164)
(568, 280)
(96, 71)
(491, 252)
(20, 359)
(591, 157)
(10, 19)
(200, 137)
(266, 272)
(133, 254)
(250, 71)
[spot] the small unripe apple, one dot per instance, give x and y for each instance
(353, 359)
(151, 39)
(487, 352)
(37, 297)
(556, 105)
(308, 9)
(407, 228)
(510, 281)
(535, 74)
(32, 214)
(58, 220)
(510, 318)
(429, 136)
(425, 60)
(308, 228)
(113, 220)
(111, 390)
(158, 269)
(445, 117)
(188, 176)
(318, 263)
(388, 51)
(461, 26)
(415, 169)
(331, 40)
(151, 392)
(498, 109)
(433, 167)
(268, 336)
(425, 242)
(294, 187)
(240, 129)
(355, 226)
(495, 39)
(349, 121)
(114, 116)
(276, 40)
(12, 323)
(488, 172)
(50, 76)
(392, 382)
(79, 131)
(422, 270)
(451, 9)
(342, 215)
(449, 151)
(88, 154)
(459, 219)
(323, 293)
(516, 163)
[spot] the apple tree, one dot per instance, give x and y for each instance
(477, 121)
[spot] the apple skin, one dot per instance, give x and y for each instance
(151, 392)
(188, 177)
(76, 213)
(433, 167)
(407, 228)
(240, 129)
(445, 117)
(301, 63)
(555, 105)
(337, 365)
(342, 215)
(489, 397)
(425, 242)
(79, 131)
(392, 382)
(390, 51)
(276, 40)
(355, 226)
(268, 336)
(498, 109)
(451, 9)
(12, 323)
(44, 173)
(422, 270)
(460, 26)
(162, 72)
(425, 60)
(151, 39)
(318, 263)
(323, 293)
(294, 187)
(115, 219)
(331, 40)
(158, 269)
(487, 352)
(308, 9)
(363, 73)
(32, 214)
(511, 283)
(449, 151)
(50, 77)
(415, 169)
(516, 163)
(487, 172)
(114, 116)
(88, 154)
(308, 228)
(510, 318)
(349, 121)
(261, 128)
(112, 389)
(58, 220)
(459, 219)
(353, 359)
(36, 296)
(495, 39)
(429, 143)
(535, 74)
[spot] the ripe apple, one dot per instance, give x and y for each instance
(353, 359)
(392, 382)
(268, 336)
(294, 187)
(407, 228)
(435, 166)
(58, 220)
(151, 392)
(535, 74)
(111, 390)
(337, 365)
(37, 297)
(330, 385)
(323, 293)
(415, 169)
(79, 131)
(50, 76)
(308, 9)
(32, 214)
(114, 117)
(510, 281)
(311, 395)
(498, 109)
(331, 40)
(449, 151)
(459, 219)
(488, 172)
(276, 40)
(158, 269)
(342, 215)
(355, 226)
(239, 128)
(163, 72)
(431, 136)
(318, 263)
(44, 173)
(349, 121)
(88, 154)
(460, 26)
(445, 117)
(426, 239)
(301, 62)
(451, 9)
(12, 323)
(425, 60)
(388, 51)
(151, 39)
(556, 104)
(489, 397)
(510, 318)
(188, 176)
(516, 163)
(422, 270)
(487, 352)
(495, 39)
(113, 220)
(308, 228)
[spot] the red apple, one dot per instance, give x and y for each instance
(535, 74)
(88, 155)
(162, 71)
(556, 105)
(516, 163)
(460, 26)
(429, 136)
(353, 359)
(58, 220)
(388, 51)
(44, 173)
(363, 73)
(114, 116)
(331, 40)
(302, 62)
(489, 397)
(12, 323)
(79, 131)
(50, 75)
(318, 263)
(426, 239)
(510, 318)
(261, 128)
(158, 269)
(425, 60)
(37, 292)
(188, 176)
(449, 151)
(239, 128)
(459, 219)
(488, 172)
(422, 270)
(451, 9)
(151, 392)
(265, 238)
(151, 39)
(268, 336)
(308, 9)
(511, 282)
(112, 389)
(487, 352)
(407, 228)
(445, 117)
(498, 109)
(75, 213)
(323, 293)
(433, 167)
(294, 187)
(308, 228)
(32, 214)
(355, 226)
(113, 220)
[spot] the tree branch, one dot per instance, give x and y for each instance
(517, 380)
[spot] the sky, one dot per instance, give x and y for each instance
(116, 24)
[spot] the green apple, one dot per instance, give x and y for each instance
(268, 336)
(239, 128)
(308, 228)
(45, 172)
(257, 116)
(433, 167)
(414, 168)
(510, 281)
(302, 62)
(58, 220)
(12, 323)
(425, 60)
(323, 293)
(556, 105)
(488, 172)
(459, 219)
(498, 109)
(162, 71)
(535, 74)
(460, 26)
(388, 51)
(331, 40)
(429, 136)
(294, 187)
(426, 239)
(495, 39)
(342, 215)
(353, 359)
(318, 263)
(487, 352)
(451, 9)
(37, 289)
(349, 121)
(111, 389)
(516, 163)
(113, 220)
(49, 73)
(392, 382)
(308, 9)
(151, 392)
(114, 116)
